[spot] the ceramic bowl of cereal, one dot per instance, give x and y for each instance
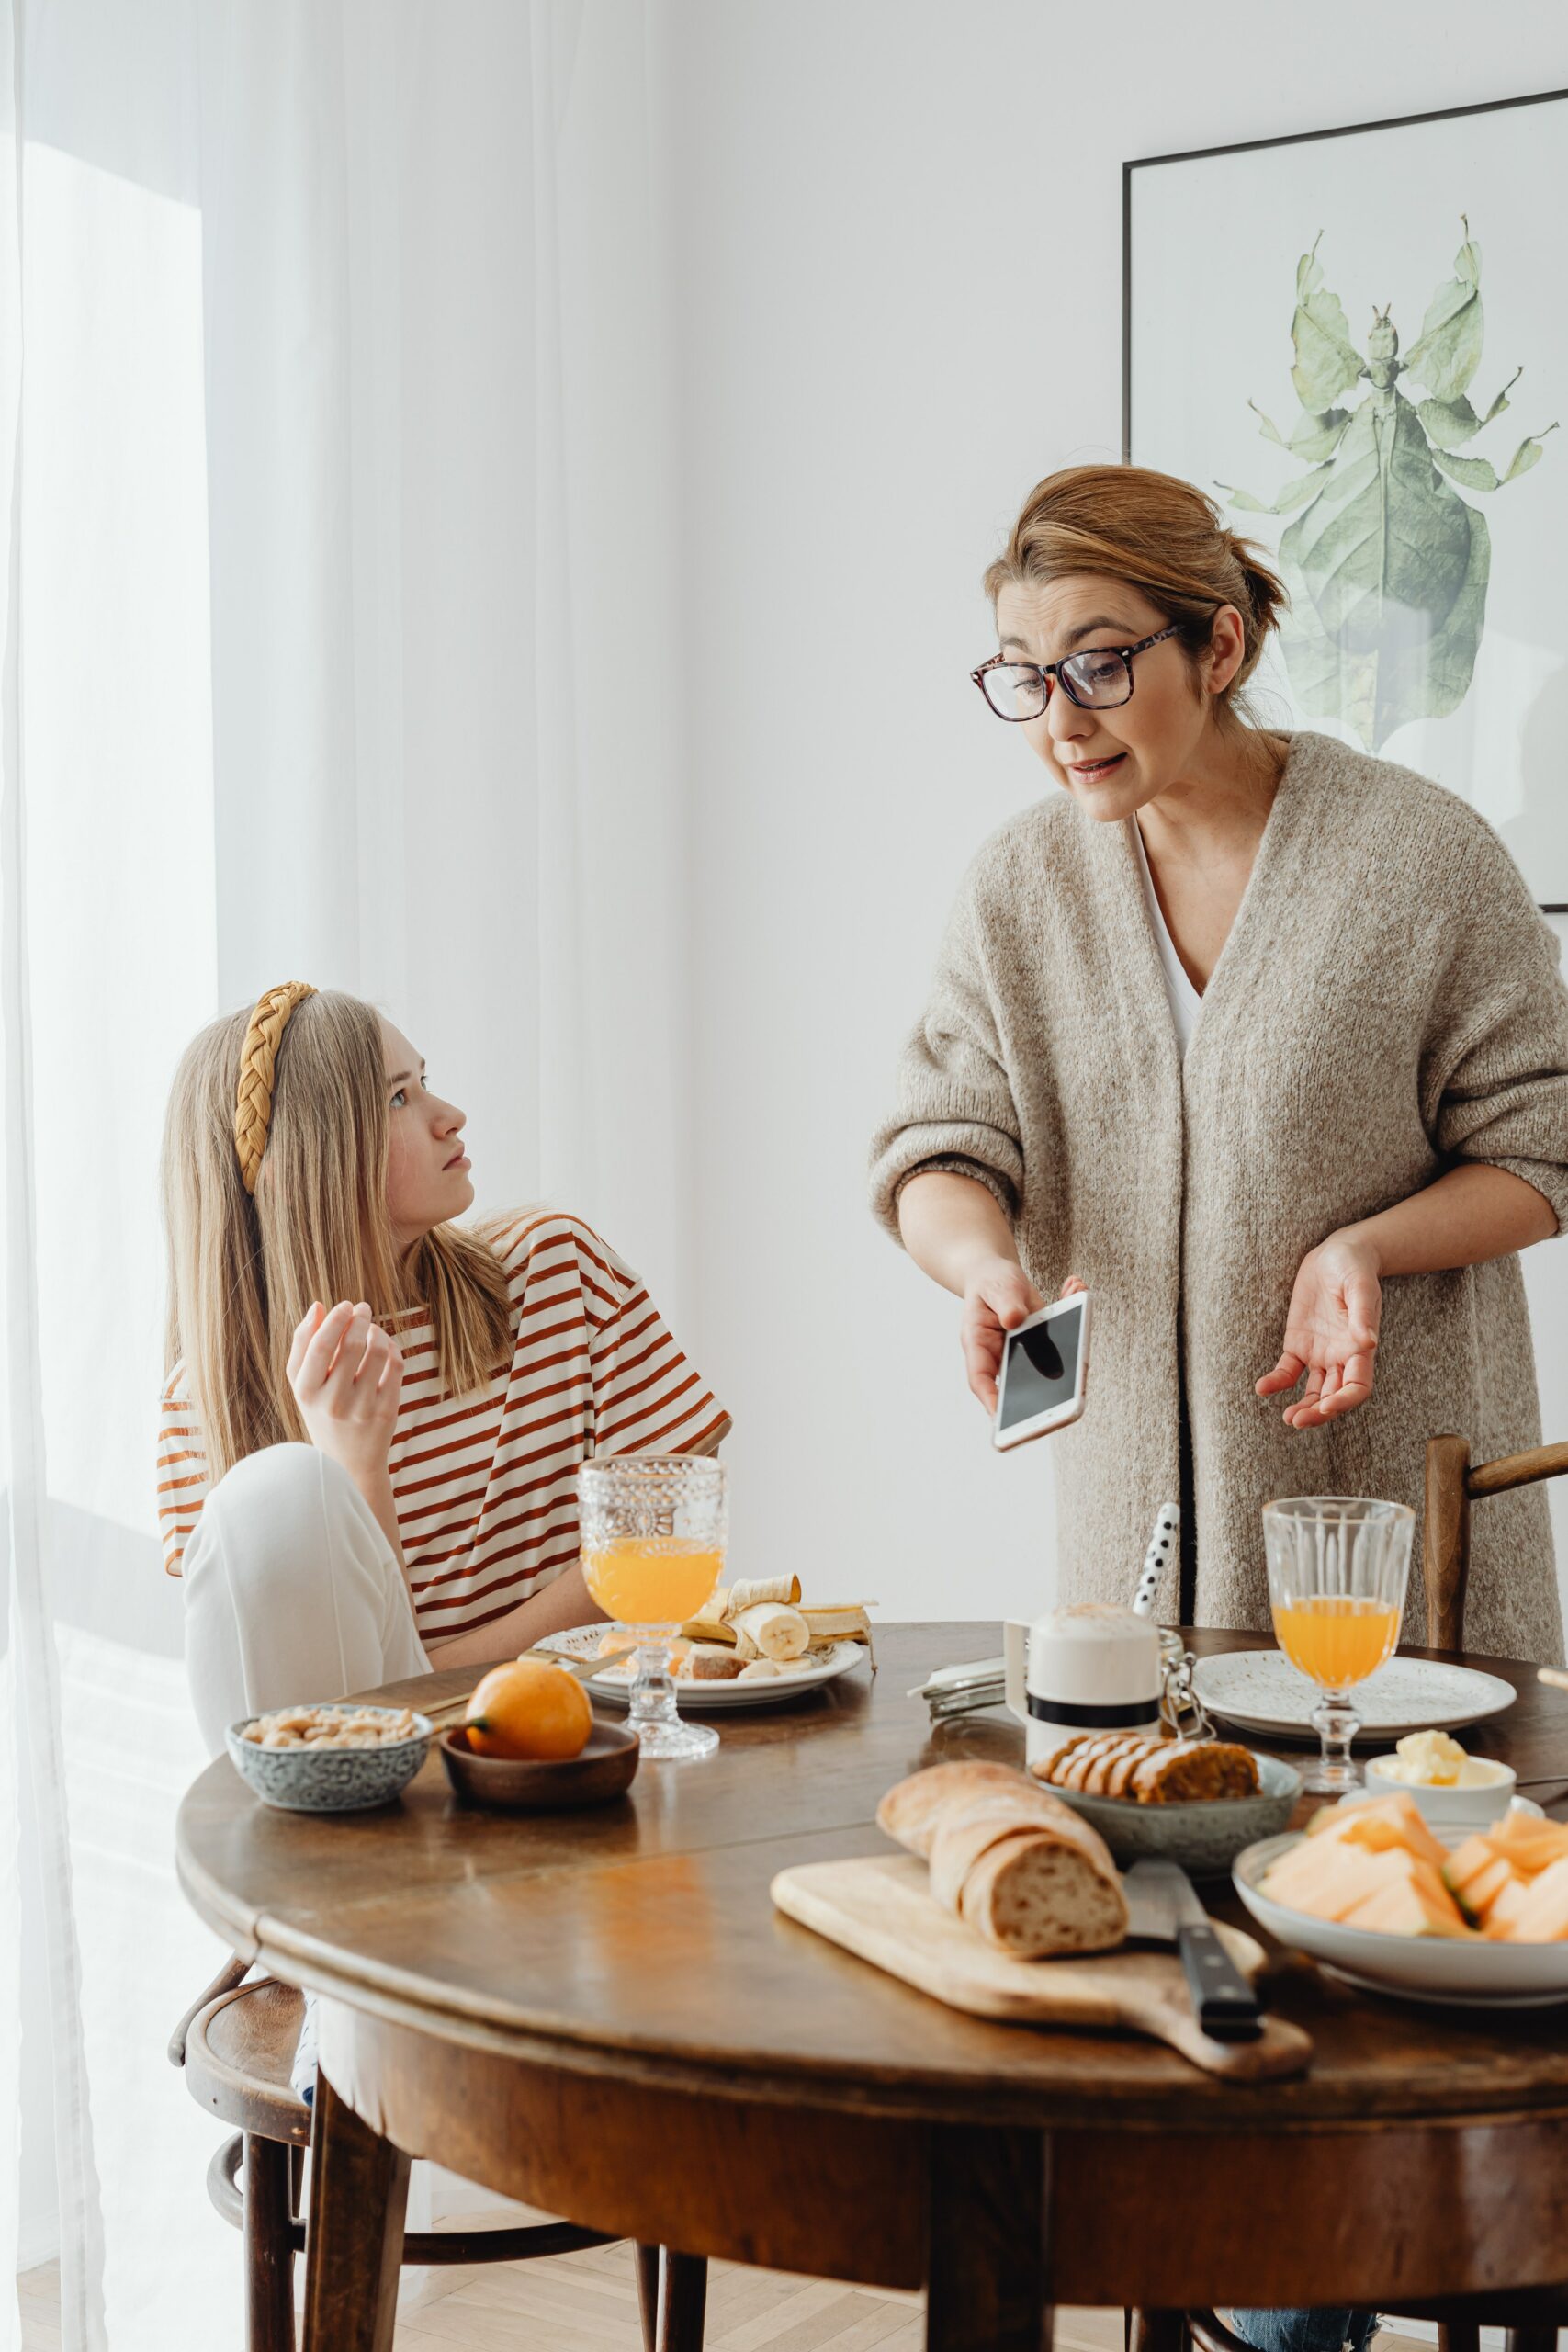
(329, 1759)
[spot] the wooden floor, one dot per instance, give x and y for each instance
(586, 2302)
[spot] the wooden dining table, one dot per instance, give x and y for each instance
(603, 2015)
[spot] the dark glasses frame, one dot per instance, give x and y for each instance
(1049, 672)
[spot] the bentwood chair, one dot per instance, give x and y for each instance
(236, 2043)
(1532, 2317)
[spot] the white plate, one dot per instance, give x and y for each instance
(1261, 1692)
(1449, 2000)
(701, 1698)
(1428, 1968)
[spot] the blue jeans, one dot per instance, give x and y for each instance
(1303, 2331)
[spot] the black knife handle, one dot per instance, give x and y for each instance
(1227, 2008)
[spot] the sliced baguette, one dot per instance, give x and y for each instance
(964, 1833)
(909, 1812)
(1033, 1896)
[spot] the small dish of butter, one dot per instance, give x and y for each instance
(1448, 1785)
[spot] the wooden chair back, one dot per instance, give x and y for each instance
(1453, 1483)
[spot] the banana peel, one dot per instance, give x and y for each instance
(846, 1621)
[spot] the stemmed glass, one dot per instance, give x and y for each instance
(1337, 1569)
(653, 1528)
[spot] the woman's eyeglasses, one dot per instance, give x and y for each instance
(1097, 679)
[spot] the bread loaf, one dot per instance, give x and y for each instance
(908, 1813)
(964, 1831)
(1014, 1862)
(1033, 1896)
(1151, 1772)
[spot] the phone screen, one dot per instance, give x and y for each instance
(1041, 1368)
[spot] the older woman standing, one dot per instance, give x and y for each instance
(1264, 1040)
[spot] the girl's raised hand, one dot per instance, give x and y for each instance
(348, 1375)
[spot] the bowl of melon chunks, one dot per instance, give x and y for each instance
(1374, 1891)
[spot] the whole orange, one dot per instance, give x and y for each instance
(529, 1708)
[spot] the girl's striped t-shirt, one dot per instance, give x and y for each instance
(485, 1485)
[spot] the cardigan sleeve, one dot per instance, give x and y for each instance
(1497, 1079)
(954, 1108)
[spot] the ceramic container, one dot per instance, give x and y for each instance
(1084, 1669)
(1447, 1808)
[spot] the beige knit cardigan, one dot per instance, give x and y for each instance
(1388, 1003)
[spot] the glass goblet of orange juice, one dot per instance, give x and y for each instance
(1337, 1569)
(653, 1530)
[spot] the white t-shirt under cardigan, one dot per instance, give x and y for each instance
(1185, 1001)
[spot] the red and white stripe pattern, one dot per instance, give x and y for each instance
(486, 1485)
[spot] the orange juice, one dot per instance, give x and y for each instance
(1337, 1641)
(652, 1580)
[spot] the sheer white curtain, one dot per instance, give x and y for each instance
(337, 517)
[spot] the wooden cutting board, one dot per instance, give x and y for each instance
(882, 1909)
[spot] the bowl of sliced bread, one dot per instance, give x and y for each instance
(1196, 1802)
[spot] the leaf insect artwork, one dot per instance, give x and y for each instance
(1386, 562)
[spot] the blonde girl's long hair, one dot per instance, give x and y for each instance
(243, 1271)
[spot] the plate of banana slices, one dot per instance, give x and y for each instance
(755, 1644)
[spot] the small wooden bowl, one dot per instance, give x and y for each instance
(605, 1770)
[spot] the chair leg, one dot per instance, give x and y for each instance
(648, 2295)
(1156, 2331)
(1463, 2335)
(683, 2304)
(1530, 2339)
(269, 2248)
(296, 2183)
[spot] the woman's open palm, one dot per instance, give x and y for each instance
(1331, 1336)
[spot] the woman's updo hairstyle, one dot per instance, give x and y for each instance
(1161, 535)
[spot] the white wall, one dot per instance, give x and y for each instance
(899, 223)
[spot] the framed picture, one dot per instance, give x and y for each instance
(1355, 339)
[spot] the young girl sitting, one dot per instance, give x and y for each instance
(374, 1417)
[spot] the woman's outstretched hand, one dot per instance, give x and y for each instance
(348, 1375)
(997, 1297)
(1331, 1334)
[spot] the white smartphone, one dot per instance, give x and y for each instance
(1043, 1372)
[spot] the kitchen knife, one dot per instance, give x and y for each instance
(1162, 1905)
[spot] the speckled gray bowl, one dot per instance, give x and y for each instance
(331, 1780)
(1205, 1839)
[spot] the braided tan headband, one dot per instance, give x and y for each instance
(258, 1061)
